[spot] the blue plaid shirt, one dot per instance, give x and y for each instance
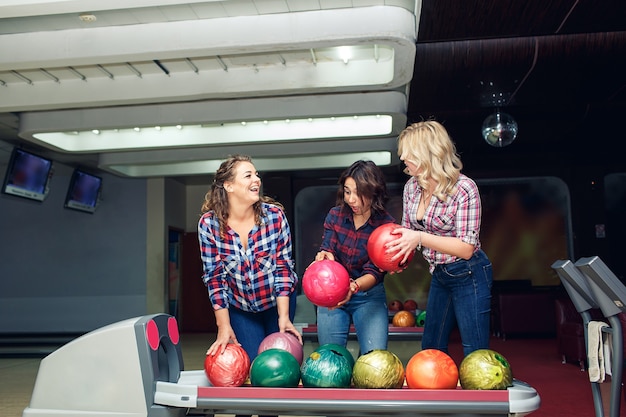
(249, 279)
(349, 246)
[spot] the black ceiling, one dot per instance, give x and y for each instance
(558, 67)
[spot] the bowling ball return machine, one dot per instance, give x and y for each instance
(591, 284)
(135, 368)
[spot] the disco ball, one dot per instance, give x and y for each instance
(499, 129)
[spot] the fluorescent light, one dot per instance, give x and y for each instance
(267, 131)
(263, 164)
(345, 53)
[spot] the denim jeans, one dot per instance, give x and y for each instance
(460, 293)
(252, 328)
(367, 310)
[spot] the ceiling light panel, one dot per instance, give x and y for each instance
(224, 133)
(133, 163)
(385, 111)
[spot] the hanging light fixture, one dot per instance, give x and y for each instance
(499, 129)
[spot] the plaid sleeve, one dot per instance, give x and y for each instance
(468, 212)
(329, 239)
(285, 278)
(213, 269)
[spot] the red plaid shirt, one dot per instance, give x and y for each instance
(249, 279)
(349, 246)
(459, 216)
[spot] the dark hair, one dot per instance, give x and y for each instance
(370, 183)
(216, 199)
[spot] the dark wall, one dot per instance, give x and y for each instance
(64, 271)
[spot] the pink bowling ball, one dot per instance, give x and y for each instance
(325, 283)
(285, 341)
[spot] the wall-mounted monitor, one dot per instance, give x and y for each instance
(83, 193)
(27, 175)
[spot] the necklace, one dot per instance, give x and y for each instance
(424, 201)
(426, 195)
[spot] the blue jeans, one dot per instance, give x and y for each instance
(367, 310)
(252, 328)
(460, 293)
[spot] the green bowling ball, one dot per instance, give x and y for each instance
(485, 369)
(421, 319)
(275, 368)
(340, 349)
(326, 368)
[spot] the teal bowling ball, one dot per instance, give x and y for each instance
(326, 368)
(275, 368)
(340, 349)
(421, 319)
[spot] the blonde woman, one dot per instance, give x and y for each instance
(441, 218)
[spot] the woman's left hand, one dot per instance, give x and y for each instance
(285, 325)
(345, 300)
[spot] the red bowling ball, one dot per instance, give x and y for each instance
(410, 305)
(325, 283)
(285, 341)
(228, 369)
(376, 248)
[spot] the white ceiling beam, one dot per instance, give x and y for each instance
(385, 26)
(25, 8)
(199, 38)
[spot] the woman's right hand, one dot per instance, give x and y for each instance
(321, 255)
(225, 335)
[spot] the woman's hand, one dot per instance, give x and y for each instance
(225, 335)
(285, 325)
(407, 241)
(353, 289)
(321, 255)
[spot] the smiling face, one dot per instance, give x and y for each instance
(351, 197)
(245, 185)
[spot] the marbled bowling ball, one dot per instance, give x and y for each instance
(227, 369)
(327, 368)
(377, 252)
(325, 283)
(432, 369)
(275, 368)
(378, 369)
(285, 341)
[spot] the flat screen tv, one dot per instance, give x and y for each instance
(84, 191)
(27, 175)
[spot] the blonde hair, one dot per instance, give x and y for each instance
(428, 145)
(216, 199)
